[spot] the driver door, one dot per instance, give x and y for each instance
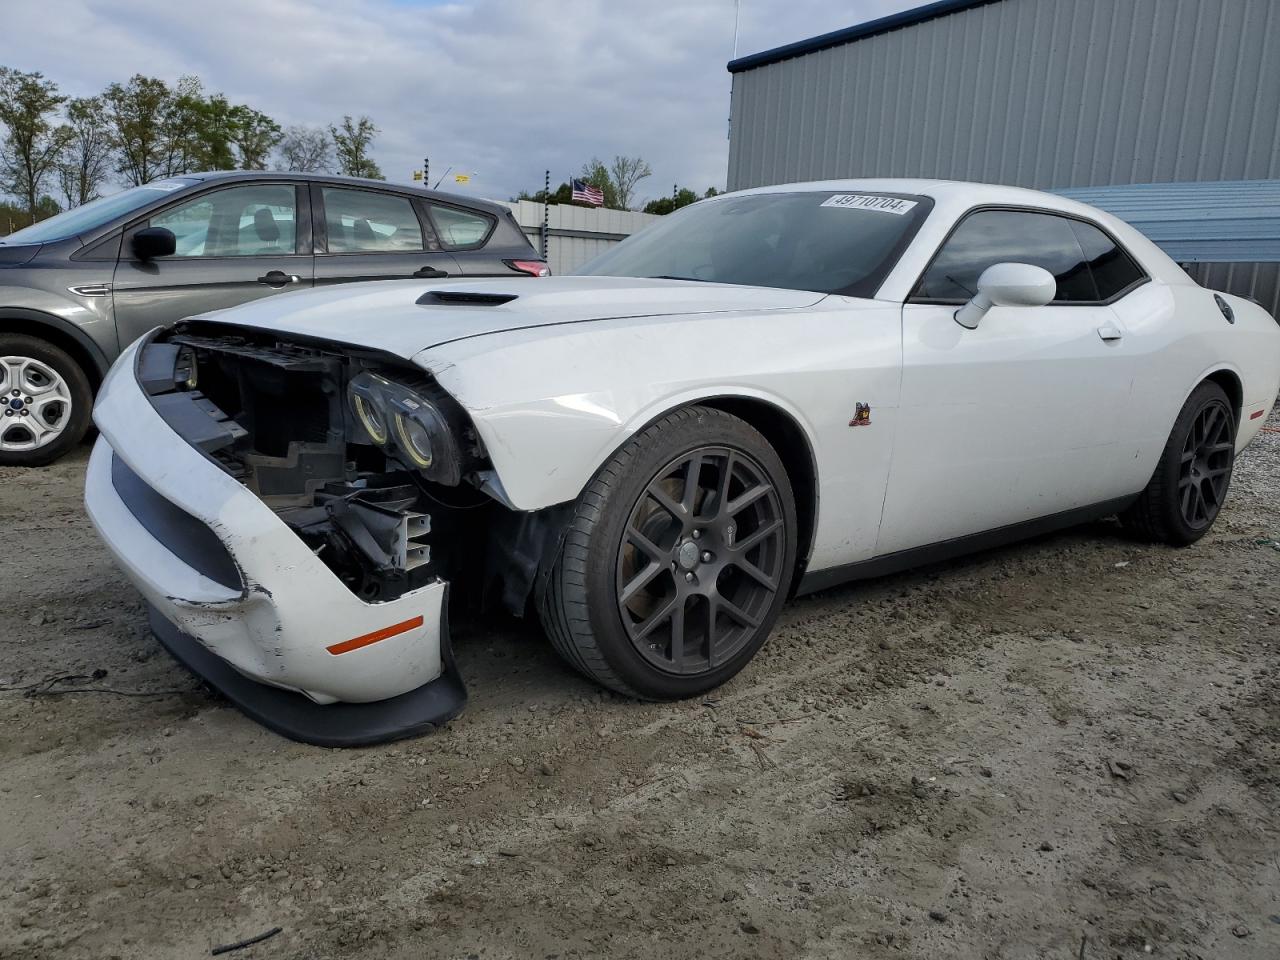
(234, 244)
(1020, 418)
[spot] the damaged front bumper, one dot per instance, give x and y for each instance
(241, 599)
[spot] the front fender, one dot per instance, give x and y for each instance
(552, 404)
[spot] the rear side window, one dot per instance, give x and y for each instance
(1087, 265)
(362, 221)
(460, 228)
(1114, 271)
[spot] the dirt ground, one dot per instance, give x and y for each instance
(1063, 749)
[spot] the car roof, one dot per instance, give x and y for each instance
(953, 198)
(362, 182)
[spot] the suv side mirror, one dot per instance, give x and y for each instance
(1007, 285)
(152, 242)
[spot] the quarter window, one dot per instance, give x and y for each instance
(460, 228)
(257, 220)
(361, 221)
(1086, 264)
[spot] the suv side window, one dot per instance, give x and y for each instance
(253, 220)
(362, 221)
(460, 229)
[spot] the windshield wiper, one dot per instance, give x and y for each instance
(667, 276)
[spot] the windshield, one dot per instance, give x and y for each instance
(95, 213)
(824, 241)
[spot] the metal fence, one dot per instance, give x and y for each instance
(576, 234)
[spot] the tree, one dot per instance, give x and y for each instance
(15, 216)
(626, 172)
(351, 143)
(86, 163)
(33, 144)
(137, 117)
(664, 205)
(561, 194)
(254, 135)
(195, 131)
(305, 149)
(596, 173)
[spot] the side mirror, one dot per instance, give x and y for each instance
(1008, 285)
(152, 242)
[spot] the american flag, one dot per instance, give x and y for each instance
(585, 193)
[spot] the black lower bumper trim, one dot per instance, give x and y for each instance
(292, 715)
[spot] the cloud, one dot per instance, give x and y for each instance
(501, 88)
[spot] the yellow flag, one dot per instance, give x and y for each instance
(462, 178)
(417, 174)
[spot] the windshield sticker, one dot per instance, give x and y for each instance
(862, 201)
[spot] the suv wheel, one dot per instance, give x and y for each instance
(45, 401)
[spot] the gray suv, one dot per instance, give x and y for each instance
(77, 288)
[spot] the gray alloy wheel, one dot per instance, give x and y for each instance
(678, 559)
(37, 404)
(45, 401)
(701, 560)
(1190, 483)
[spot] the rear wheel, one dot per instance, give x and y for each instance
(678, 559)
(1190, 483)
(45, 401)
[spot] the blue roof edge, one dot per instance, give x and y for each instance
(870, 28)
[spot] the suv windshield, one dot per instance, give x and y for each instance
(825, 241)
(95, 213)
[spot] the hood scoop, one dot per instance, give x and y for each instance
(464, 298)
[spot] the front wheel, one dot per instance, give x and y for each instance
(678, 559)
(1190, 482)
(45, 401)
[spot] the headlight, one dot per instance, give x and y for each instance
(406, 425)
(366, 404)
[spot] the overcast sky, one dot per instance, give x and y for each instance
(501, 88)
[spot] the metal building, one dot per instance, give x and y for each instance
(1050, 94)
(576, 234)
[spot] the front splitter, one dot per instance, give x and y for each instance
(292, 715)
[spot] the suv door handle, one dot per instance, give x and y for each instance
(429, 273)
(277, 278)
(1109, 332)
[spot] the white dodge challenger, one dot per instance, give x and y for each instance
(766, 393)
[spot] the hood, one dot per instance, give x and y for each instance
(385, 315)
(16, 256)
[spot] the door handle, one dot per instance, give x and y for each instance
(277, 278)
(1109, 332)
(429, 273)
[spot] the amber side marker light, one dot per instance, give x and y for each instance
(355, 643)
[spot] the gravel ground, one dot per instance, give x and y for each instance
(1062, 749)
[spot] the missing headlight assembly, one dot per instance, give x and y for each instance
(367, 460)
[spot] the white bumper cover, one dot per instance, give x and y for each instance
(278, 626)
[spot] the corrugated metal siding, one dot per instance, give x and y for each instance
(1258, 281)
(1038, 93)
(1230, 221)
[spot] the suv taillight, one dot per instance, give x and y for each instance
(534, 268)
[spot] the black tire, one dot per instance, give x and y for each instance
(1191, 480)
(747, 525)
(78, 416)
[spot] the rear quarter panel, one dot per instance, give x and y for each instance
(553, 404)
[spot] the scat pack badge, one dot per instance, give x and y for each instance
(861, 415)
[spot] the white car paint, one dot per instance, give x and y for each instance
(277, 630)
(1028, 415)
